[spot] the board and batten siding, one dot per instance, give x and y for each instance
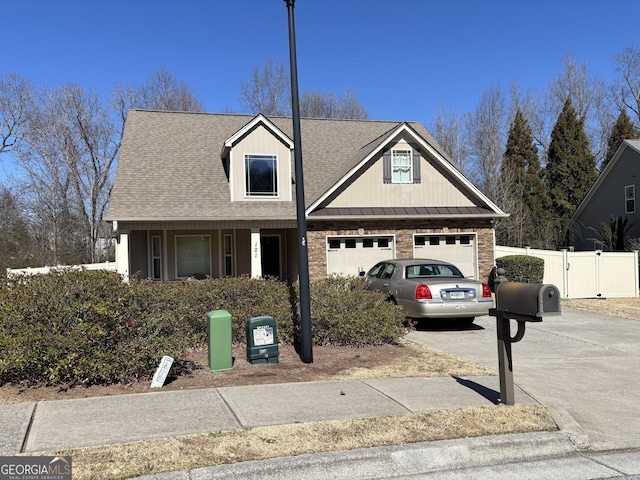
(434, 189)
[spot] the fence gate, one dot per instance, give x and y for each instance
(585, 274)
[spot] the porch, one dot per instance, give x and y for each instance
(181, 253)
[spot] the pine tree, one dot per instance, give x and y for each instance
(571, 167)
(522, 174)
(622, 130)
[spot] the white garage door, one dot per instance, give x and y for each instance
(352, 255)
(459, 249)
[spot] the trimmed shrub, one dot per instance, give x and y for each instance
(522, 268)
(79, 327)
(344, 313)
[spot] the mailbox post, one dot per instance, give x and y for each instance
(523, 302)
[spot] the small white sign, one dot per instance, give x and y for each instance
(263, 335)
(162, 372)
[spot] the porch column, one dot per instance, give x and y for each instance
(122, 254)
(256, 253)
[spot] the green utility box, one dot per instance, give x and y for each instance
(262, 340)
(220, 340)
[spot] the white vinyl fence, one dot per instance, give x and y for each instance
(38, 270)
(585, 274)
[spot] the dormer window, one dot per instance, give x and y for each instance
(261, 175)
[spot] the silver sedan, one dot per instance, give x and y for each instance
(430, 289)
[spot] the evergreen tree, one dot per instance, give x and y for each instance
(15, 239)
(622, 130)
(571, 167)
(522, 176)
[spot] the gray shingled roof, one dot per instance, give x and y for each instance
(170, 165)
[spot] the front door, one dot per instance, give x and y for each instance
(270, 246)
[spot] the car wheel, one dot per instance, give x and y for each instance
(466, 320)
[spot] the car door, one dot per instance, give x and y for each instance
(382, 280)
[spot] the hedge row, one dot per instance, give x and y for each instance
(80, 327)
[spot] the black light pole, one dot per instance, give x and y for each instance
(306, 353)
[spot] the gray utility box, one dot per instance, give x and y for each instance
(527, 301)
(262, 340)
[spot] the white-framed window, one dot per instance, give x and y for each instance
(261, 175)
(193, 255)
(630, 199)
(228, 255)
(156, 257)
(401, 166)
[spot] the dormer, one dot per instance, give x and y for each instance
(258, 159)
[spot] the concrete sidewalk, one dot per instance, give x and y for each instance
(88, 422)
(580, 365)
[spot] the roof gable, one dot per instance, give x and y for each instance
(403, 130)
(249, 127)
(625, 147)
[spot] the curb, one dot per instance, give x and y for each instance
(377, 462)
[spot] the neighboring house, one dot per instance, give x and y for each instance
(199, 194)
(615, 192)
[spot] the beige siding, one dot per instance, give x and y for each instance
(434, 189)
(260, 141)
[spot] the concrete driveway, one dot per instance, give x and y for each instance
(583, 363)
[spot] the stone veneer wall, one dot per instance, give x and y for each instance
(317, 233)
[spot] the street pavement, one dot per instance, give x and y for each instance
(583, 366)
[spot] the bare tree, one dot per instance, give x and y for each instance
(45, 179)
(316, 104)
(574, 82)
(588, 96)
(448, 132)
(625, 92)
(485, 135)
(69, 157)
(350, 107)
(163, 91)
(268, 90)
(16, 100)
(268, 93)
(91, 160)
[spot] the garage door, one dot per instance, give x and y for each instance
(352, 255)
(459, 249)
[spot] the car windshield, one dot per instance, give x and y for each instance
(430, 270)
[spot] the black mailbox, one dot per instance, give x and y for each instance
(524, 302)
(527, 301)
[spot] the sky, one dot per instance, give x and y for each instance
(403, 59)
